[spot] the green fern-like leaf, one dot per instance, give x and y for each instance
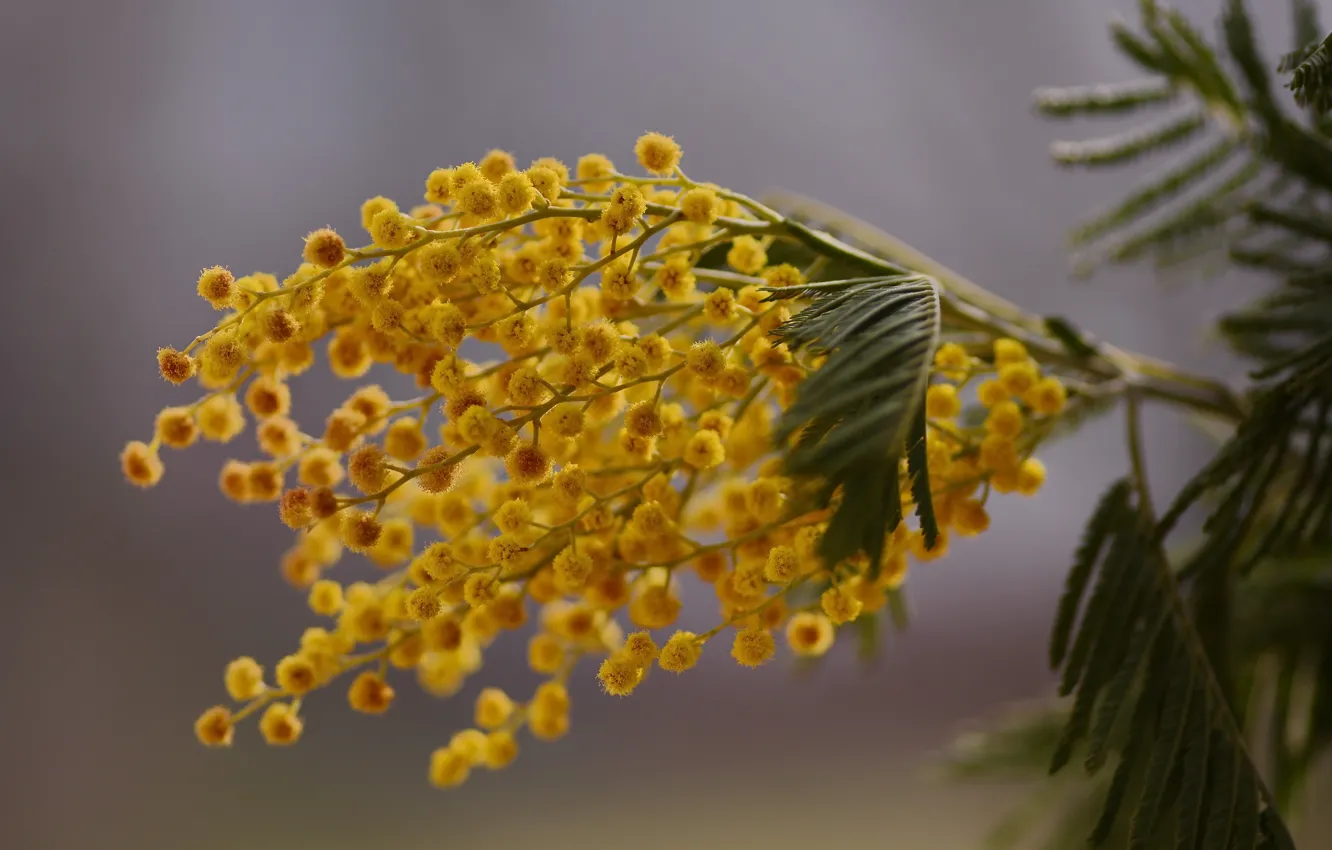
(1183, 211)
(1170, 736)
(1193, 779)
(1113, 99)
(849, 425)
(1182, 766)
(1311, 74)
(1199, 219)
(1161, 189)
(1109, 713)
(1112, 506)
(1128, 146)
(919, 470)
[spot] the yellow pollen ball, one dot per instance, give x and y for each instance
(619, 674)
(1005, 420)
(746, 255)
(244, 679)
(970, 518)
(809, 634)
(439, 185)
(680, 653)
(296, 675)
(640, 647)
(1030, 476)
(545, 654)
(700, 206)
(1019, 377)
(991, 393)
(515, 193)
(528, 464)
(545, 181)
(1008, 351)
(840, 606)
(217, 286)
(280, 725)
(175, 366)
(325, 597)
(595, 169)
(496, 164)
(214, 727)
(140, 464)
(752, 647)
(449, 768)
(493, 708)
(705, 359)
(657, 153)
(501, 750)
(369, 694)
(782, 566)
(704, 450)
(479, 199)
(324, 248)
(941, 402)
(1047, 396)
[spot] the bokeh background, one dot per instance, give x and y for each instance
(141, 141)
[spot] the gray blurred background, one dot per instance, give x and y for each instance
(142, 141)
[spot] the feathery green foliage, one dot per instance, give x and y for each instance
(1281, 446)
(1159, 657)
(1310, 68)
(1144, 686)
(852, 418)
(1188, 205)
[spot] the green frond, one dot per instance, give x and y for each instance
(1174, 49)
(1204, 215)
(1170, 736)
(1273, 260)
(1111, 507)
(1224, 795)
(1110, 712)
(1274, 831)
(849, 425)
(1193, 779)
(919, 470)
(1136, 49)
(1112, 99)
(1244, 829)
(1320, 711)
(1310, 224)
(1161, 189)
(1242, 43)
(1283, 446)
(1205, 201)
(1180, 757)
(1128, 773)
(1200, 62)
(1130, 145)
(1311, 74)
(1103, 637)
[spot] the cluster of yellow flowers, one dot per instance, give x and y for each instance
(604, 415)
